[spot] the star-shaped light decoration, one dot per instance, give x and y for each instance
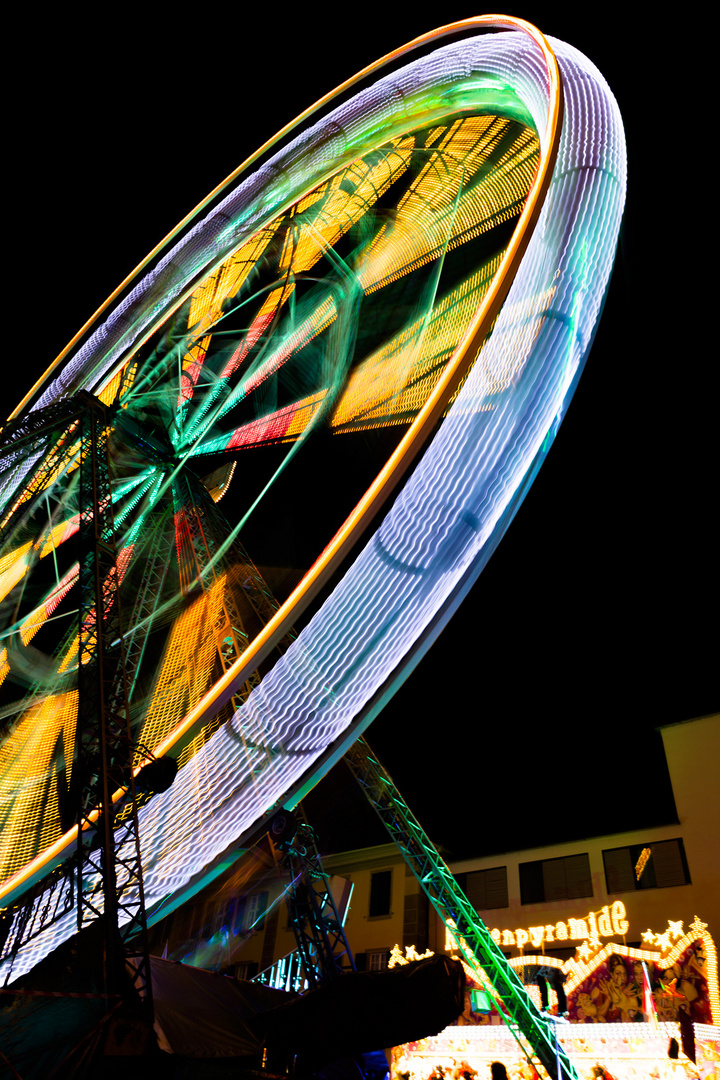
(396, 957)
(589, 948)
(663, 941)
(697, 926)
(411, 954)
(648, 937)
(675, 929)
(585, 951)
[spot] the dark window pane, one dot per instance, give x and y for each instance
(531, 883)
(486, 888)
(555, 879)
(665, 867)
(380, 886)
(475, 889)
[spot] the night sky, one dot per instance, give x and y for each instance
(594, 622)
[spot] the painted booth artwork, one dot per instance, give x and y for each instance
(605, 984)
(613, 993)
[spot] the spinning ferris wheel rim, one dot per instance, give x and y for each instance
(481, 22)
(417, 435)
(391, 542)
(412, 443)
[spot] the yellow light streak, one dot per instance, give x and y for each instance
(463, 148)
(15, 564)
(444, 196)
(187, 664)
(13, 568)
(226, 280)
(396, 380)
(29, 781)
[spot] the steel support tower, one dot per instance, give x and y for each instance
(104, 877)
(456, 911)
(316, 923)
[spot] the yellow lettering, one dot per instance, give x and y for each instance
(577, 928)
(396, 957)
(604, 922)
(620, 923)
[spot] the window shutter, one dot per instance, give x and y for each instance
(496, 887)
(554, 879)
(619, 870)
(475, 889)
(668, 863)
(577, 876)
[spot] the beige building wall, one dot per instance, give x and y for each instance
(692, 750)
(405, 924)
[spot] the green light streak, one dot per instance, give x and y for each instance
(22, 624)
(50, 528)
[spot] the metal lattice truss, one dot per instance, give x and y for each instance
(455, 910)
(103, 877)
(313, 915)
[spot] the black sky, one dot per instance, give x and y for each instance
(533, 718)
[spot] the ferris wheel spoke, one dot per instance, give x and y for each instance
(222, 601)
(467, 156)
(310, 232)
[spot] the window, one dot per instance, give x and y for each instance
(555, 879)
(485, 889)
(665, 867)
(377, 960)
(249, 912)
(246, 971)
(380, 893)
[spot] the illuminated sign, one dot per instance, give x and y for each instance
(605, 983)
(396, 956)
(609, 921)
(642, 861)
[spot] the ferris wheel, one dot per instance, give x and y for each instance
(417, 265)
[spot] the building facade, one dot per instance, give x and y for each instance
(549, 904)
(614, 887)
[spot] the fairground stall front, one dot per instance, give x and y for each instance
(628, 1014)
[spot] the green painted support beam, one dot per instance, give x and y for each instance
(455, 909)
